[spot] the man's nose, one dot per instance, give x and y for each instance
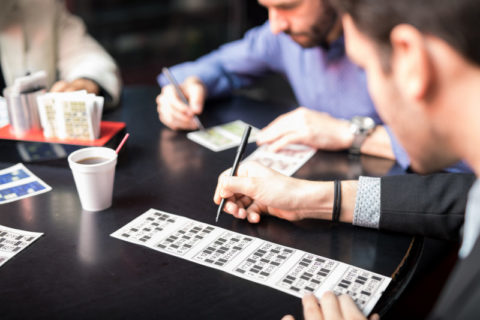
(278, 23)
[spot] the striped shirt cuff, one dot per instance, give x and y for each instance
(367, 204)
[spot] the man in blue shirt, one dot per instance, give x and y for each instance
(303, 41)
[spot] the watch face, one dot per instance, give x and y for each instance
(363, 123)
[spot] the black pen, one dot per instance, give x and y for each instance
(180, 94)
(238, 157)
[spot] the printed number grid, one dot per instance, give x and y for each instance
(13, 242)
(224, 249)
(358, 284)
(264, 261)
(76, 120)
(146, 228)
(308, 274)
(185, 238)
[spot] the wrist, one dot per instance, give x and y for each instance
(349, 194)
(347, 135)
(315, 200)
(360, 127)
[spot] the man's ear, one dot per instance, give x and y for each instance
(410, 63)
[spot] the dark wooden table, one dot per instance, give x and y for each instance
(76, 270)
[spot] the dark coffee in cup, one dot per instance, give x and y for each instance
(92, 160)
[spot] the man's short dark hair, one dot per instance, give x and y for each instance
(455, 21)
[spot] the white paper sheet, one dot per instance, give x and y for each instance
(292, 271)
(286, 161)
(17, 182)
(222, 137)
(12, 241)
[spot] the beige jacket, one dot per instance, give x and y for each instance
(42, 35)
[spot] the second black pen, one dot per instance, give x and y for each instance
(236, 162)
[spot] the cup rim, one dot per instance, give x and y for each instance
(107, 152)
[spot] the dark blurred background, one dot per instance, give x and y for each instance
(145, 35)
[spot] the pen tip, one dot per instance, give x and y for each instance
(219, 210)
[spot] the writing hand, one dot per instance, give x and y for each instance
(259, 190)
(173, 112)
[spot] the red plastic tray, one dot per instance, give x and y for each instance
(108, 129)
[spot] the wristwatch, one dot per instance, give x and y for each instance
(361, 127)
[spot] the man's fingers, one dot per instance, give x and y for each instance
(175, 122)
(172, 117)
(217, 197)
(292, 137)
(245, 201)
(270, 135)
(226, 188)
(173, 112)
(242, 213)
(374, 316)
(235, 206)
(158, 99)
(349, 308)
(231, 207)
(273, 130)
(311, 309)
(242, 185)
(195, 93)
(172, 99)
(179, 107)
(330, 306)
(182, 121)
(253, 217)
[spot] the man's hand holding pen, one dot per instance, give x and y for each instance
(176, 113)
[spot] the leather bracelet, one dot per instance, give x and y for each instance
(337, 201)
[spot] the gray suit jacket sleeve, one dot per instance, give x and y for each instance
(432, 205)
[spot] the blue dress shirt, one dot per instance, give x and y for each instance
(322, 80)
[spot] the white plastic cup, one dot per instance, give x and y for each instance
(94, 181)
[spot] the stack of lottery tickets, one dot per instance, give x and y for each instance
(70, 115)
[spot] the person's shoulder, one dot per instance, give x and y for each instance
(262, 31)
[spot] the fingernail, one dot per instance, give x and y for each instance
(375, 317)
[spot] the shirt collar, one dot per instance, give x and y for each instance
(471, 226)
(336, 49)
